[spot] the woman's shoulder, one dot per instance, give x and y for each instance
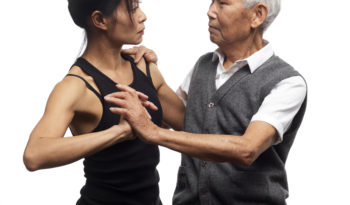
(70, 87)
(73, 85)
(77, 71)
(155, 74)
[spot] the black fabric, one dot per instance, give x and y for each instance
(126, 172)
(87, 85)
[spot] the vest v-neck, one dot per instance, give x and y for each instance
(216, 94)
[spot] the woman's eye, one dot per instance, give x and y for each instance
(135, 6)
(134, 9)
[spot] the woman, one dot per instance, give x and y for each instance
(119, 168)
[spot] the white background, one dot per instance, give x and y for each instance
(39, 42)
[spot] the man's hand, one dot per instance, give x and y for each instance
(144, 101)
(140, 51)
(132, 108)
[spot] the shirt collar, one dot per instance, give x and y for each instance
(254, 61)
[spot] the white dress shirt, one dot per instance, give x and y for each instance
(279, 106)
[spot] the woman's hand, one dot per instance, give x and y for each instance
(129, 135)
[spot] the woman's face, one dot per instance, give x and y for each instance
(124, 31)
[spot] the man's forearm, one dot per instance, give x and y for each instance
(210, 147)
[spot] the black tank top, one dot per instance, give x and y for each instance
(126, 172)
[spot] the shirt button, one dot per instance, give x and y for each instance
(203, 163)
(211, 105)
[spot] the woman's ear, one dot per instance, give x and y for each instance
(98, 20)
(259, 14)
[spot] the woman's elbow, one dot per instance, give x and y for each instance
(31, 161)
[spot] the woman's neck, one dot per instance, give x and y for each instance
(104, 55)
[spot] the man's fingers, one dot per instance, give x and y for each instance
(140, 53)
(120, 95)
(118, 111)
(126, 88)
(148, 115)
(117, 101)
(150, 105)
(130, 51)
(151, 57)
(142, 96)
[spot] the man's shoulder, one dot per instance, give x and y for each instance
(276, 69)
(206, 57)
(204, 60)
(277, 64)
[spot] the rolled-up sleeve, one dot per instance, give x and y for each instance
(282, 104)
(182, 91)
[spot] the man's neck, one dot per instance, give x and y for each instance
(241, 50)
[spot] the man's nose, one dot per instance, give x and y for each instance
(212, 11)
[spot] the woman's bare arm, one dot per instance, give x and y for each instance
(47, 147)
(173, 107)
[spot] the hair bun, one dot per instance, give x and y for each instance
(79, 11)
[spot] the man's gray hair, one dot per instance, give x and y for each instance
(273, 6)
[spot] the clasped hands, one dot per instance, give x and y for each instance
(132, 103)
(132, 107)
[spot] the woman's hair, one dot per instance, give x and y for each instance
(273, 6)
(81, 10)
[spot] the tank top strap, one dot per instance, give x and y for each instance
(87, 85)
(103, 82)
(149, 77)
(86, 67)
(148, 70)
(137, 72)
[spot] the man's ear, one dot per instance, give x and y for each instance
(98, 20)
(259, 14)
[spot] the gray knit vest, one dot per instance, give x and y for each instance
(229, 110)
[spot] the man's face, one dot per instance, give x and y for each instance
(229, 22)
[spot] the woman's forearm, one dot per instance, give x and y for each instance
(48, 152)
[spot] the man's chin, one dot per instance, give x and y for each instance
(213, 39)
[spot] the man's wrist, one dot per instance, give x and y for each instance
(151, 134)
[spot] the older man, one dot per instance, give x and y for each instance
(244, 108)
